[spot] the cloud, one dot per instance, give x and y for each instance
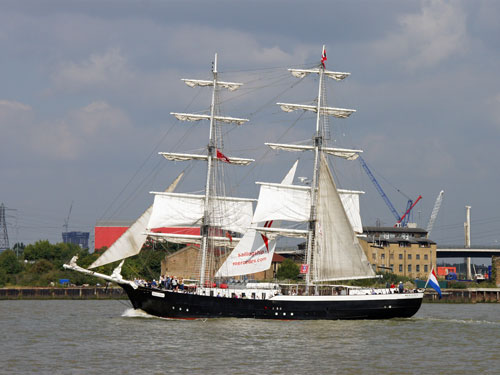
(425, 39)
(236, 48)
(81, 131)
(99, 70)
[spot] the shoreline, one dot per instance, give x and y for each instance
(80, 293)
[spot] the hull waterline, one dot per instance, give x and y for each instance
(169, 304)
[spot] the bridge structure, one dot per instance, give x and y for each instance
(447, 251)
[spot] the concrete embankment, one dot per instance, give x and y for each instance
(62, 293)
(471, 295)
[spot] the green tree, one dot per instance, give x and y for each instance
(288, 270)
(9, 262)
(42, 266)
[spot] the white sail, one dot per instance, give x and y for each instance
(130, 243)
(283, 202)
(174, 210)
(344, 153)
(254, 253)
(350, 201)
(330, 111)
(337, 254)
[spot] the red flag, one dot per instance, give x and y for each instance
(323, 57)
(223, 157)
(228, 235)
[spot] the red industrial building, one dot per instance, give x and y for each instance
(107, 232)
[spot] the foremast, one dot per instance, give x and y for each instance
(213, 155)
(208, 188)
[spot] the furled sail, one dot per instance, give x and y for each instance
(231, 86)
(175, 156)
(344, 153)
(301, 73)
(173, 210)
(194, 239)
(330, 111)
(130, 243)
(338, 254)
(254, 253)
(197, 117)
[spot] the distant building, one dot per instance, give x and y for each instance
(106, 232)
(78, 238)
(403, 251)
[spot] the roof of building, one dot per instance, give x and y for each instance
(393, 230)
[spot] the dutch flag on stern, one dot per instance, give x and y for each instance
(433, 282)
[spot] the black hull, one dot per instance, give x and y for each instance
(168, 304)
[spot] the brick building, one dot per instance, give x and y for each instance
(403, 251)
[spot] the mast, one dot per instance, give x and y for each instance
(210, 155)
(318, 142)
(173, 209)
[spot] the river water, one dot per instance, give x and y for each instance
(108, 337)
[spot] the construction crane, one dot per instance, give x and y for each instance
(403, 222)
(66, 222)
(400, 220)
(435, 211)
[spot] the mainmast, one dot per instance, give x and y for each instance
(317, 146)
(318, 143)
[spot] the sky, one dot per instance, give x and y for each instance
(87, 87)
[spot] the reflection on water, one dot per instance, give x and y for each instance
(96, 337)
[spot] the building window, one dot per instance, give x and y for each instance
(409, 256)
(426, 268)
(409, 267)
(417, 256)
(426, 257)
(404, 244)
(391, 256)
(400, 256)
(374, 256)
(392, 267)
(382, 256)
(417, 268)
(400, 268)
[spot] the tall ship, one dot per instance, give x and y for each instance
(326, 218)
